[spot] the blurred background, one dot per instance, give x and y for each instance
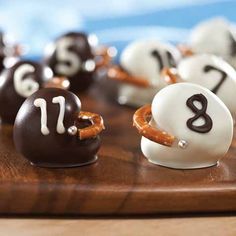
(35, 23)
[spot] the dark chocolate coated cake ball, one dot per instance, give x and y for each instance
(71, 56)
(19, 82)
(41, 130)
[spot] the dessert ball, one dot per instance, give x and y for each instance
(17, 83)
(213, 73)
(190, 127)
(216, 36)
(51, 130)
(145, 59)
(71, 56)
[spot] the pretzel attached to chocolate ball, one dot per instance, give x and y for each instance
(57, 82)
(104, 56)
(91, 131)
(140, 121)
(116, 73)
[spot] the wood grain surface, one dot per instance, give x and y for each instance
(190, 226)
(122, 182)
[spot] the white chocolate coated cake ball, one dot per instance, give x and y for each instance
(199, 120)
(145, 58)
(216, 36)
(213, 73)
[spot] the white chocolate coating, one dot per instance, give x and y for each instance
(214, 36)
(137, 60)
(191, 69)
(170, 113)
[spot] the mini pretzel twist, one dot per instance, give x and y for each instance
(116, 73)
(104, 56)
(185, 50)
(93, 130)
(170, 75)
(57, 82)
(145, 129)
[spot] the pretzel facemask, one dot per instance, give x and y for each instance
(88, 132)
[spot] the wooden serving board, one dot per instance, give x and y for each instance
(121, 182)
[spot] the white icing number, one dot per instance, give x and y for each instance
(68, 62)
(24, 87)
(61, 101)
(40, 102)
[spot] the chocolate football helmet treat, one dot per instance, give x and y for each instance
(20, 81)
(216, 36)
(211, 72)
(51, 130)
(140, 65)
(74, 56)
(190, 127)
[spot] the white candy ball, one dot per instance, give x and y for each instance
(216, 36)
(209, 71)
(196, 150)
(145, 58)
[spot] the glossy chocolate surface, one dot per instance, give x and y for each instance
(78, 48)
(106, 88)
(53, 149)
(10, 99)
(2, 54)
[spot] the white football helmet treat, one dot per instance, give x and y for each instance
(190, 127)
(216, 36)
(145, 59)
(211, 72)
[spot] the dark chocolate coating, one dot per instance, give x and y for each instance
(2, 54)
(10, 99)
(106, 88)
(81, 80)
(2, 57)
(54, 149)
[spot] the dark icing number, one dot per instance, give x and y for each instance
(207, 126)
(159, 59)
(232, 45)
(170, 59)
(209, 68)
